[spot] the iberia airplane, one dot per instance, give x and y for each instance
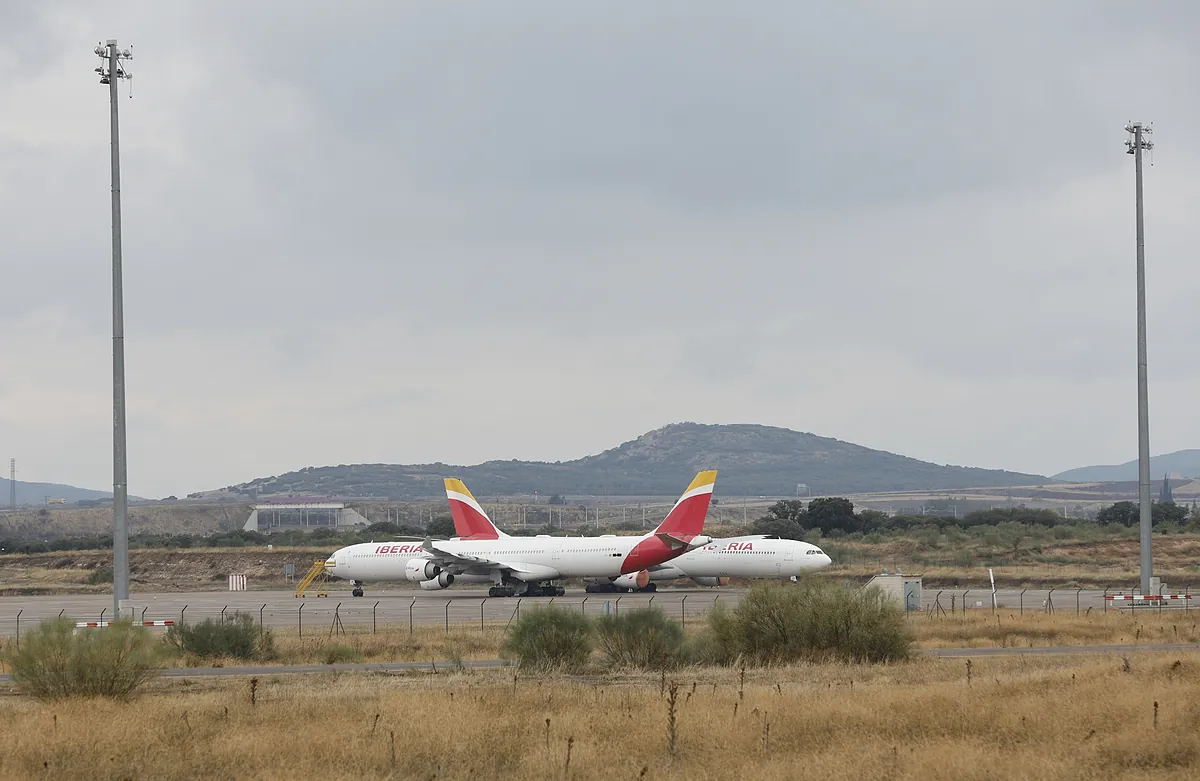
(754, 556)
(481, 553)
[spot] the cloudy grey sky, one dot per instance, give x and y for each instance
(457, 231)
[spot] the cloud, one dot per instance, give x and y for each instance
(458, 231)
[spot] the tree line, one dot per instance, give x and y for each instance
(791, 519)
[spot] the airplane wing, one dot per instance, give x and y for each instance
(453, 562)
(457, 563)
(677, 540)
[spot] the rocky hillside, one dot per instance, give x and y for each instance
(753, 461)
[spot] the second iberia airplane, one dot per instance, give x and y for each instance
(484, 554)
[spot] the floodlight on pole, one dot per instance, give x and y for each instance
(1136, 143)
(112, 69)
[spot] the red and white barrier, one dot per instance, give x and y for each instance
(1147, 597)
(237, 582)
(91, 624)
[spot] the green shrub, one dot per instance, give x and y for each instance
(643, 638)
(340, 654)
(54, 662)
(99, 577)
(236, 636)
(778, 624)
(550, 638)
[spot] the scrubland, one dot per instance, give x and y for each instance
(975, 629)
(1014, 718)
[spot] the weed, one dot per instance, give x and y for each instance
(550, 638)
(54, 662)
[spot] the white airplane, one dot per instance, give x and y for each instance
(753, 556)
(481, 553)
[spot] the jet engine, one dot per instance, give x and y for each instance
(440, 582)
(711, 581)
(637, 579)
(421, 569)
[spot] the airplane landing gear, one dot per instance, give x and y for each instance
(356, 589)
(609, 588)
(538, 590)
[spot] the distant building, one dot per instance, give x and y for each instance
(304, 514)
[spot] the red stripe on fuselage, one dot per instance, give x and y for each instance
(648, 553)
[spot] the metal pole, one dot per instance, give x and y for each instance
(1135, 148)
(120, 496)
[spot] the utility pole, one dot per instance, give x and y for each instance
(111, 71)
(1135, 145)
(12, 483)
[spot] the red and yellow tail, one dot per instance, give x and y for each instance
(686, 519)
(470, 521)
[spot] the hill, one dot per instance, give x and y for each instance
(36, 493)
(753, 460)
(1184, 462)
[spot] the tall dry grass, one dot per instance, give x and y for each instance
(1010, 629)
(389, 644)
(1052, 719)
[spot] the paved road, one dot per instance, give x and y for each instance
(393, 607)
(481, 664)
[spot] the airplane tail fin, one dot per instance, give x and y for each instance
(470, 521)
(685, 522)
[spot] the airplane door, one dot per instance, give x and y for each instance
(555, 549)
(789, 553)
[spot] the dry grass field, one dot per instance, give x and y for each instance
(964, 563)
(1052, 719)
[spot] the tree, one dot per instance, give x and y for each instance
(441, 526)
(789, 510)
(1124, 513)
(780, 527)
(1129, 514)
(833, 512)
(1167, 512)
(1165, 495)
(872, 520)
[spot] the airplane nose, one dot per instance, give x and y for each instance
(825, 560)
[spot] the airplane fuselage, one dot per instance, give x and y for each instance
(745, 557)
(532, 558)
